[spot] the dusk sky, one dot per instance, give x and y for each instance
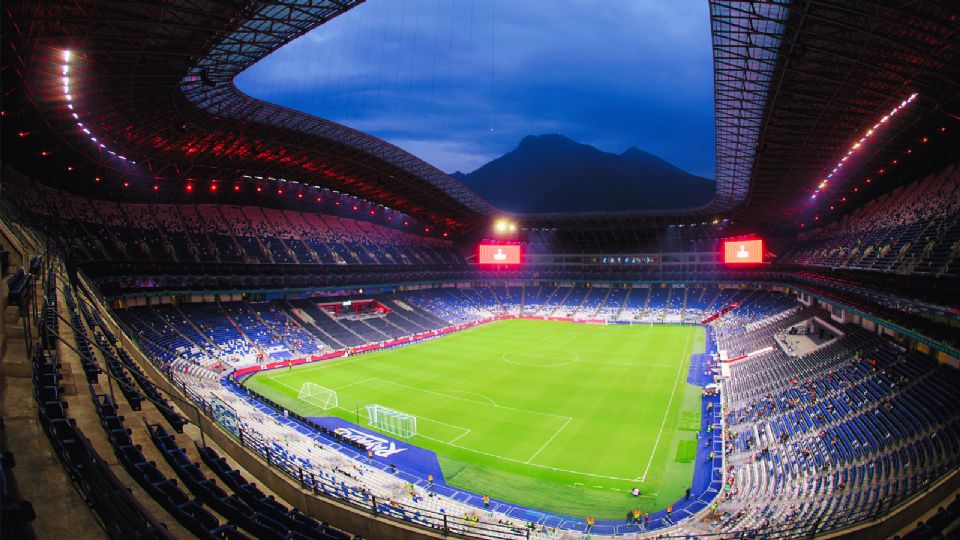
(460, 82)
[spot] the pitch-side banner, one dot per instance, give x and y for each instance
(383, 448)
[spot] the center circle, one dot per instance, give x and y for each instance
(541, 358)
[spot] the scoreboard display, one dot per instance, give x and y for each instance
(500, 254)
(742, 251)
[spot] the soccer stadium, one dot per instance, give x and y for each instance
(243, 299)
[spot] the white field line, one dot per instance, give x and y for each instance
(458, 437)
(528, 464)
(643, 478)
(550, 440)
(465, 430)
(297, 390)
(368, 379)
(492, 403)
(628, 364)
(444, 393)
(452, 442)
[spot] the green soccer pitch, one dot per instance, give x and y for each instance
(558, 416)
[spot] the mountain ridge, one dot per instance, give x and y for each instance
(549, 173)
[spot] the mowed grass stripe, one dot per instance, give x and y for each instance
(533, 412)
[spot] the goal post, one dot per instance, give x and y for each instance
(390, 421)
(318, 396)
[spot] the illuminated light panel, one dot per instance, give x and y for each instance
(64, 70)
(866, 137)
(743, 251)
(499, 254)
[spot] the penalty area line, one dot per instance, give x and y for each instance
(550, 440)
(513, 460)
(458, 437)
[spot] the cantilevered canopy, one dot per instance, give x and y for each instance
(831, 70)
(796, 83)
(152, 81)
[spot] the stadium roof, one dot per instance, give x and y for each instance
(796, 82)
(153, 82)
(837, 68)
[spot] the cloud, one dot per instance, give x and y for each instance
(447, 155)
(458, 82)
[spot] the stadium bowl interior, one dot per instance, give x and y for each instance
(226, 318)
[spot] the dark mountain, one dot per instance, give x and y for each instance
(551, 173)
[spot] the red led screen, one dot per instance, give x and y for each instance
(499, 254)
(742, 251)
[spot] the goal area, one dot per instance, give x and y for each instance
(318, 396)
(390, 421)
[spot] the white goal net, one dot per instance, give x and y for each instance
(397, 423)
(318, 396)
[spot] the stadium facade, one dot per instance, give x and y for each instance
(167, 237)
